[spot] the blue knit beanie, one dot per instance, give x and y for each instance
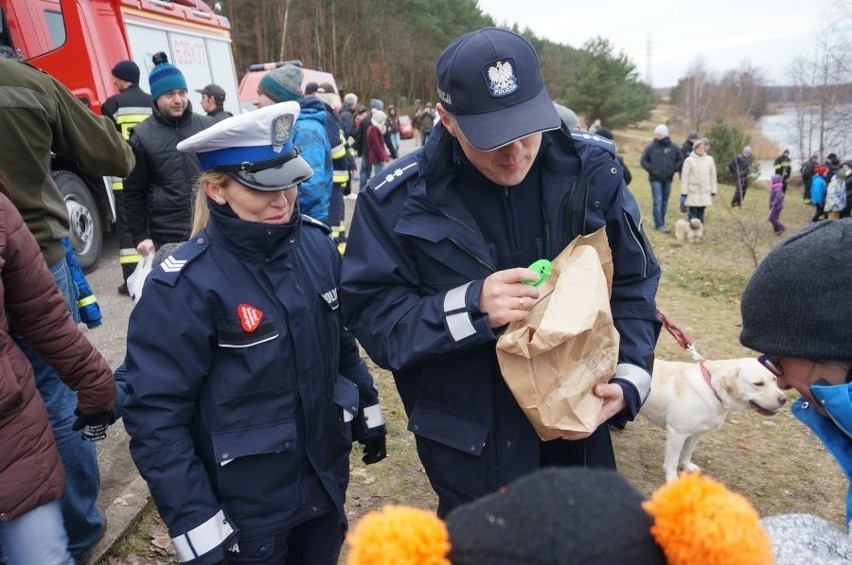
(164, 76)
(282, 84)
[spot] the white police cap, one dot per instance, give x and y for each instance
(255, 148)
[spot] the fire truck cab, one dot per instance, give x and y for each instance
(79, 41)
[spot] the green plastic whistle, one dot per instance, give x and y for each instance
(543, 268)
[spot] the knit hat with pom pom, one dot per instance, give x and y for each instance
(164, 77)
(572, 515)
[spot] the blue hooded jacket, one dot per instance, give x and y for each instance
(311, 138)
(834, 431)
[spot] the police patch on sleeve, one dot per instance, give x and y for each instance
(329, 297)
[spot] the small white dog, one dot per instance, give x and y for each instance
(691, 231)
(682, 403)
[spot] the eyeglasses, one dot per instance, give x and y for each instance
(772, 364)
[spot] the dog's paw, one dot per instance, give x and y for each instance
(691, 468)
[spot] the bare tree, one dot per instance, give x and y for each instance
(696, 94)
(820, 77)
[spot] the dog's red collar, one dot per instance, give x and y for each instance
(707, 379)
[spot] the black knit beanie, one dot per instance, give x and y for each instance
(797, 302)
(555, 516)
(126, 70)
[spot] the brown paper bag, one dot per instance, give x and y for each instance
(553, 359)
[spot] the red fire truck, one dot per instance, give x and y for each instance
(79, 41)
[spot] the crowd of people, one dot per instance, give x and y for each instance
(243, 388)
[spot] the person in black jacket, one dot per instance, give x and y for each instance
(662, 159)
(847, 211)
(130, 107)
(783, 168)
(740, 169)
(687, 146)
(833, 163)
(807, 171)
(213, 102)
(158, 193)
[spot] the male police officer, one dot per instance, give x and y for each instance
(437, 254)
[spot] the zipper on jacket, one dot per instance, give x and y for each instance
(511, 220)
(566, 233)
(466, 249)
(638, 243)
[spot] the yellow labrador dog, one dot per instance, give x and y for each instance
(682, 403)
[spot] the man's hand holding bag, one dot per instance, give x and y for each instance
(553, 359)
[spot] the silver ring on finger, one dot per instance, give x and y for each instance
(520, 303)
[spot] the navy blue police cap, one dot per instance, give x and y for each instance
(490, 80)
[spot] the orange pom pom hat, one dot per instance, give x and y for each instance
(583, 515)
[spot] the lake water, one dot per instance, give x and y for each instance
(781, 128)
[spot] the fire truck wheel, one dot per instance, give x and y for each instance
(86, 231)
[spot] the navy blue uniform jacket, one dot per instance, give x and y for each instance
(237, 423)
(412, 275)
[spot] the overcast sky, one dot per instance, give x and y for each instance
(769, 33)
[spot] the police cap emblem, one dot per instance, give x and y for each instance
(282, 127)
(502, 80)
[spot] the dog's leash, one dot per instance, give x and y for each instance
(686, 343)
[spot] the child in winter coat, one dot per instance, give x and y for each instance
(776, 203)
(818, 192)
(835, 196)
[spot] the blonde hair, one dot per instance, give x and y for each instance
(200, 212)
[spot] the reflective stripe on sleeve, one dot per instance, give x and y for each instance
(83, 302)
(458, 319)
(373, 416)
(460, 326)
(204, 538)
(454, 299)
(637, 376)
(338, 151)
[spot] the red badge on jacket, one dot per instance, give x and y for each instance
(250, 317)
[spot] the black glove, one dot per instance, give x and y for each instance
(94, 426)
(375, 449)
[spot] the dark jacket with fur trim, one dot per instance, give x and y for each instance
(412, 275)
(31, 474)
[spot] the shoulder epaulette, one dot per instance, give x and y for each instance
(170, 269)
(309, 221)
(596, 140)
(395, 176)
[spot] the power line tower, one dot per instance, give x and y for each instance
(648, 61)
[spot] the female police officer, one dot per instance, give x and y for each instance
(242, 381)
